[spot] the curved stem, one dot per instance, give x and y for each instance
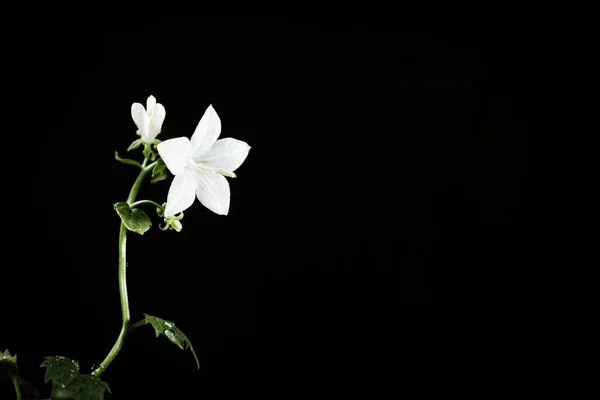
(124, 302)
(138, 182)
(15, 381)
(142, 202)
(123, 275)
(127, 160)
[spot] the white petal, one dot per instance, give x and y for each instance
(156, 121)
(181, 194)
(150, 104)
(159, 117)
(175, 153)
(213, 191)
(207, 131)
(227, 154)
(138, 113)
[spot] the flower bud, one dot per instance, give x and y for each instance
(176, 224)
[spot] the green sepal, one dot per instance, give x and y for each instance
(173, 333)
(161, 211)
(136, 143)
(148, 153)
(134, 219)
(159, 172)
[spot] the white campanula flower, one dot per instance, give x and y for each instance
(200, 166)
(148, 120)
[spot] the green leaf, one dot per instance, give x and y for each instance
(134, 219)
(28, 390)
(60, 369)
(136, 143)
(159, 172)
(172, 333)
(68, 383)
(8, 366)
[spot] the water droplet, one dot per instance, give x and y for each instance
(170, 334)
(169, 324)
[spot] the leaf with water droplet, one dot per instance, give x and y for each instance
(60, 369)
(8, 366)
(68, 383)
(134, 219)
(172, 333)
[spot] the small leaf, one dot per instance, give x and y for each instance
(136, 143)
(134, 219)
(68, 383)
(8, 366)
(159, 172)
(172, 333)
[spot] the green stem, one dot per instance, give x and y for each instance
(142, 202)
(127, 160)
(138, 182)
(123, 275)
(124, 302)
(138, 324)
(15, 381)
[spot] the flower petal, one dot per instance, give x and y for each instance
(181, 193)
(227, 154)
(207, 131)
(175, 153)
(138, 113)
(158, 117)
(213, 191)
(150, 104)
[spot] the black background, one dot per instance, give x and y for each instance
(399, 214)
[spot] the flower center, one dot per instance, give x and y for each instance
(205, 168)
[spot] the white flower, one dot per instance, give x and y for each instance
(149, 120)
(201, 165)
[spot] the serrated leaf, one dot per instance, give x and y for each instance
(68, 383)
(173, 333)
(159, 172)
(136, 143)
(134, 219)
(8, 366)
(60, 369)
